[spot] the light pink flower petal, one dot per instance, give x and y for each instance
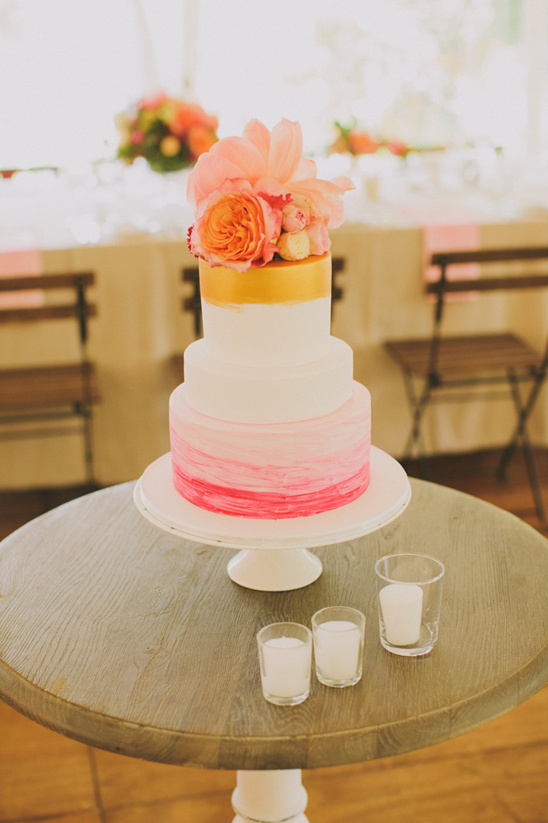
(336, 213)
(325, 200)
(312, 185)
(286, 148)
(318, 237)
(266, 185)
(206, 176)
(228, 159)
(344, 183)
(306, 168)
(243, 154)
(258, 134)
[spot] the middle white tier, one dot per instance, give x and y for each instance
(244, 394)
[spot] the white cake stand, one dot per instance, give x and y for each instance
(273, 554)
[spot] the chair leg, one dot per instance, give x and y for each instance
(532, 472)
(523, 411)
(521, 435)
(415, 439)
(88, 446)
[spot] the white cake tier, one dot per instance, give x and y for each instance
(269, 336)
(248, 394)
(274, 315)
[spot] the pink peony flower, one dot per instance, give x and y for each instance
(318, 237)
(262, 156)
(293, 218)
(236, 227)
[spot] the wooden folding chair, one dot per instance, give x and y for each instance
(33, 395)
(434, 367)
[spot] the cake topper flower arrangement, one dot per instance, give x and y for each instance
(168, 133)
(257, 198)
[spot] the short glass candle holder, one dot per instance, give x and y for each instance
(409, 588)
(285, 657)
(339, 633)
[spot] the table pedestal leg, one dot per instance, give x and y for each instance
(269, 797)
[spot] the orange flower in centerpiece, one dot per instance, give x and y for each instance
(351, 141)
(263, 174)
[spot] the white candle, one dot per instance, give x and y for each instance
(401, 606)
(337, 649)
(286, 662)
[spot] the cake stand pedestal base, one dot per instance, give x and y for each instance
(272, 553)
(277, 569)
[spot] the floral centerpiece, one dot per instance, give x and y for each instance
(351, 140)
(256, 198)
(168, 133)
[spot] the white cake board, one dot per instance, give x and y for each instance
(274, 554)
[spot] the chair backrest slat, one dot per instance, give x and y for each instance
(487, 280)
(490, 255)
(528, 281)
(46, 281)
(31, 314)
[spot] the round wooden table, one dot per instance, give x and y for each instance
(130, 639)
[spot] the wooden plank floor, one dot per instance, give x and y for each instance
(495, 774)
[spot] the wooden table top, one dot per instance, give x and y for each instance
(130, 639)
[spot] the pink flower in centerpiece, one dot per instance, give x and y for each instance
(153, 102)
(272, 166)
(235, 224)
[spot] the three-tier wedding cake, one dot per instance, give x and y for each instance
(269, 422)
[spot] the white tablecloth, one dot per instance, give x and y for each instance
(140, 325)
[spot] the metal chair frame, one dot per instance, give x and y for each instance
(54, 391)
(514, 362)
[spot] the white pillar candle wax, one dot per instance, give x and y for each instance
(286, 667)
(401, 606)
(337, 649)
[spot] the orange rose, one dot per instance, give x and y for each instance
(236, 227)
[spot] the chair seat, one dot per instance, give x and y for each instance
(471, 354)
(53, 386)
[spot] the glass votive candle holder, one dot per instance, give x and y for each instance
(409, 588)
(339, 634)
(285, 657)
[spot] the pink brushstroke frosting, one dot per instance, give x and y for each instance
(271, 471)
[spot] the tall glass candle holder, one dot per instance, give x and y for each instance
(409, 588)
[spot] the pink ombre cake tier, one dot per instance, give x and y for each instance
(271, 471)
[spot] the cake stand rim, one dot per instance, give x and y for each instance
(182, 518)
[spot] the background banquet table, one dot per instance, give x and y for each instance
(140, 325)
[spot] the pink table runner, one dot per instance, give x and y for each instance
(18, 262)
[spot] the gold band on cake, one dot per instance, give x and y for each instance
(279, 282)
